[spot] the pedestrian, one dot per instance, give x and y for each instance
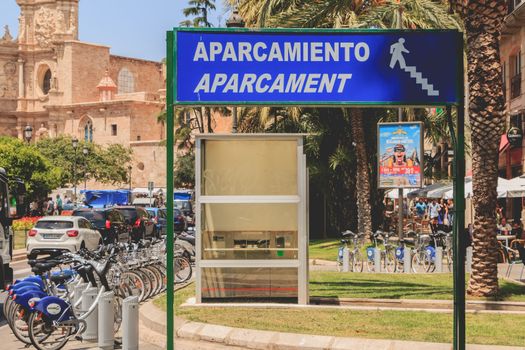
(59, 205)
(517, 230)
(433, 212)
(50, 208)
(450, 212)
(421, 208)
(504, 228)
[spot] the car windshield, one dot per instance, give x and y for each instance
(54, 224)
(129, 214)
(95, 217)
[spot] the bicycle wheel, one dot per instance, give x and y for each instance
(158, 276)
(181, 269)
(357, 262)
(389, 260)
(448, 259)
(146, 283)
(417, 262)
(154, 281)
(18, 323)
(428, 262)
(135, 283)
(45, 335)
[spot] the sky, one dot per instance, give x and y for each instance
(137, 30)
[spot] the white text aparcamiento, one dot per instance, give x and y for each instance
(281, 51)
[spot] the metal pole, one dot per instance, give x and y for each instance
(400, 119)
(75, 175)
(106, 319)
(130, 323)
(88, 298)
(170, 92)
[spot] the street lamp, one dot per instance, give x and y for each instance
(28, 133)
(74, 143)
(85, 152)
(129, 169)
(235, 21)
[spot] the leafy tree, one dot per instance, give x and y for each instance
(28, 164)
(104, 164)
(184, 175)
(338, 14)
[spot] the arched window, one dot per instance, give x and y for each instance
(126, 83)
(46, 82)
(88, 131)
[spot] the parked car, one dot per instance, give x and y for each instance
(160, 217)
(110, 222)
(53, 234)
(140, 224)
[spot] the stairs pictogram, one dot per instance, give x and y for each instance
(414, 74)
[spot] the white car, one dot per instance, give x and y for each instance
(61, 233)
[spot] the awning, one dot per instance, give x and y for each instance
(503, 143)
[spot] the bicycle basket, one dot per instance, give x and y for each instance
(370, 253)
(400, 253)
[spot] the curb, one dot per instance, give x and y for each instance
(153, 318)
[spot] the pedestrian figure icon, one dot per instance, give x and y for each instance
(397, 50)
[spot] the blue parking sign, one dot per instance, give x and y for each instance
(307, 67)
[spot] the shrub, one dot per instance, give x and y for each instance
(24, 224)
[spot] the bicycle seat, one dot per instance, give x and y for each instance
(60, 278)
(347, 233)
(377, 233)
(345, 241)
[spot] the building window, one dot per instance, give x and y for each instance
(126, 83)
(138, 138)
(515, 81)
(46, 82)
(516, 120)
(113, 129)
(504, 78)
(88, 131)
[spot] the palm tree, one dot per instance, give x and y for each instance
(200, 9)
(350, 14)
(483, 22)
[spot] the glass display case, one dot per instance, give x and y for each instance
(251, 198)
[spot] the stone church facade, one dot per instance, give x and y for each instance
(59, 85)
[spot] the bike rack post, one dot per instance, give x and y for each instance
(407, 260)
(469, 259)
(130, 323)
(439, 259)
(346, 260)
(79, 288)
(106, 313)
(377, 260)
(88, 298)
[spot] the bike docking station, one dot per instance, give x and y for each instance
(100, 322)
(239, 176)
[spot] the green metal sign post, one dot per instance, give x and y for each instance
(200, 81)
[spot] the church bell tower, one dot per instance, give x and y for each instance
(42, 22)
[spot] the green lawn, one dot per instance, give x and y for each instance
(325, 249)
(490, 329)
(396, 286)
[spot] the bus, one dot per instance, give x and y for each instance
(12, 206)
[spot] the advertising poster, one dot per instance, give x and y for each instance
(400, 147)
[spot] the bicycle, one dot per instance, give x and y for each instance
(387, 255)
(356, 258)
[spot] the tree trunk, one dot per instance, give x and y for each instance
(364, 217)
(486, 111)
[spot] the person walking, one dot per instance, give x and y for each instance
(433, 213)
(59, 205)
